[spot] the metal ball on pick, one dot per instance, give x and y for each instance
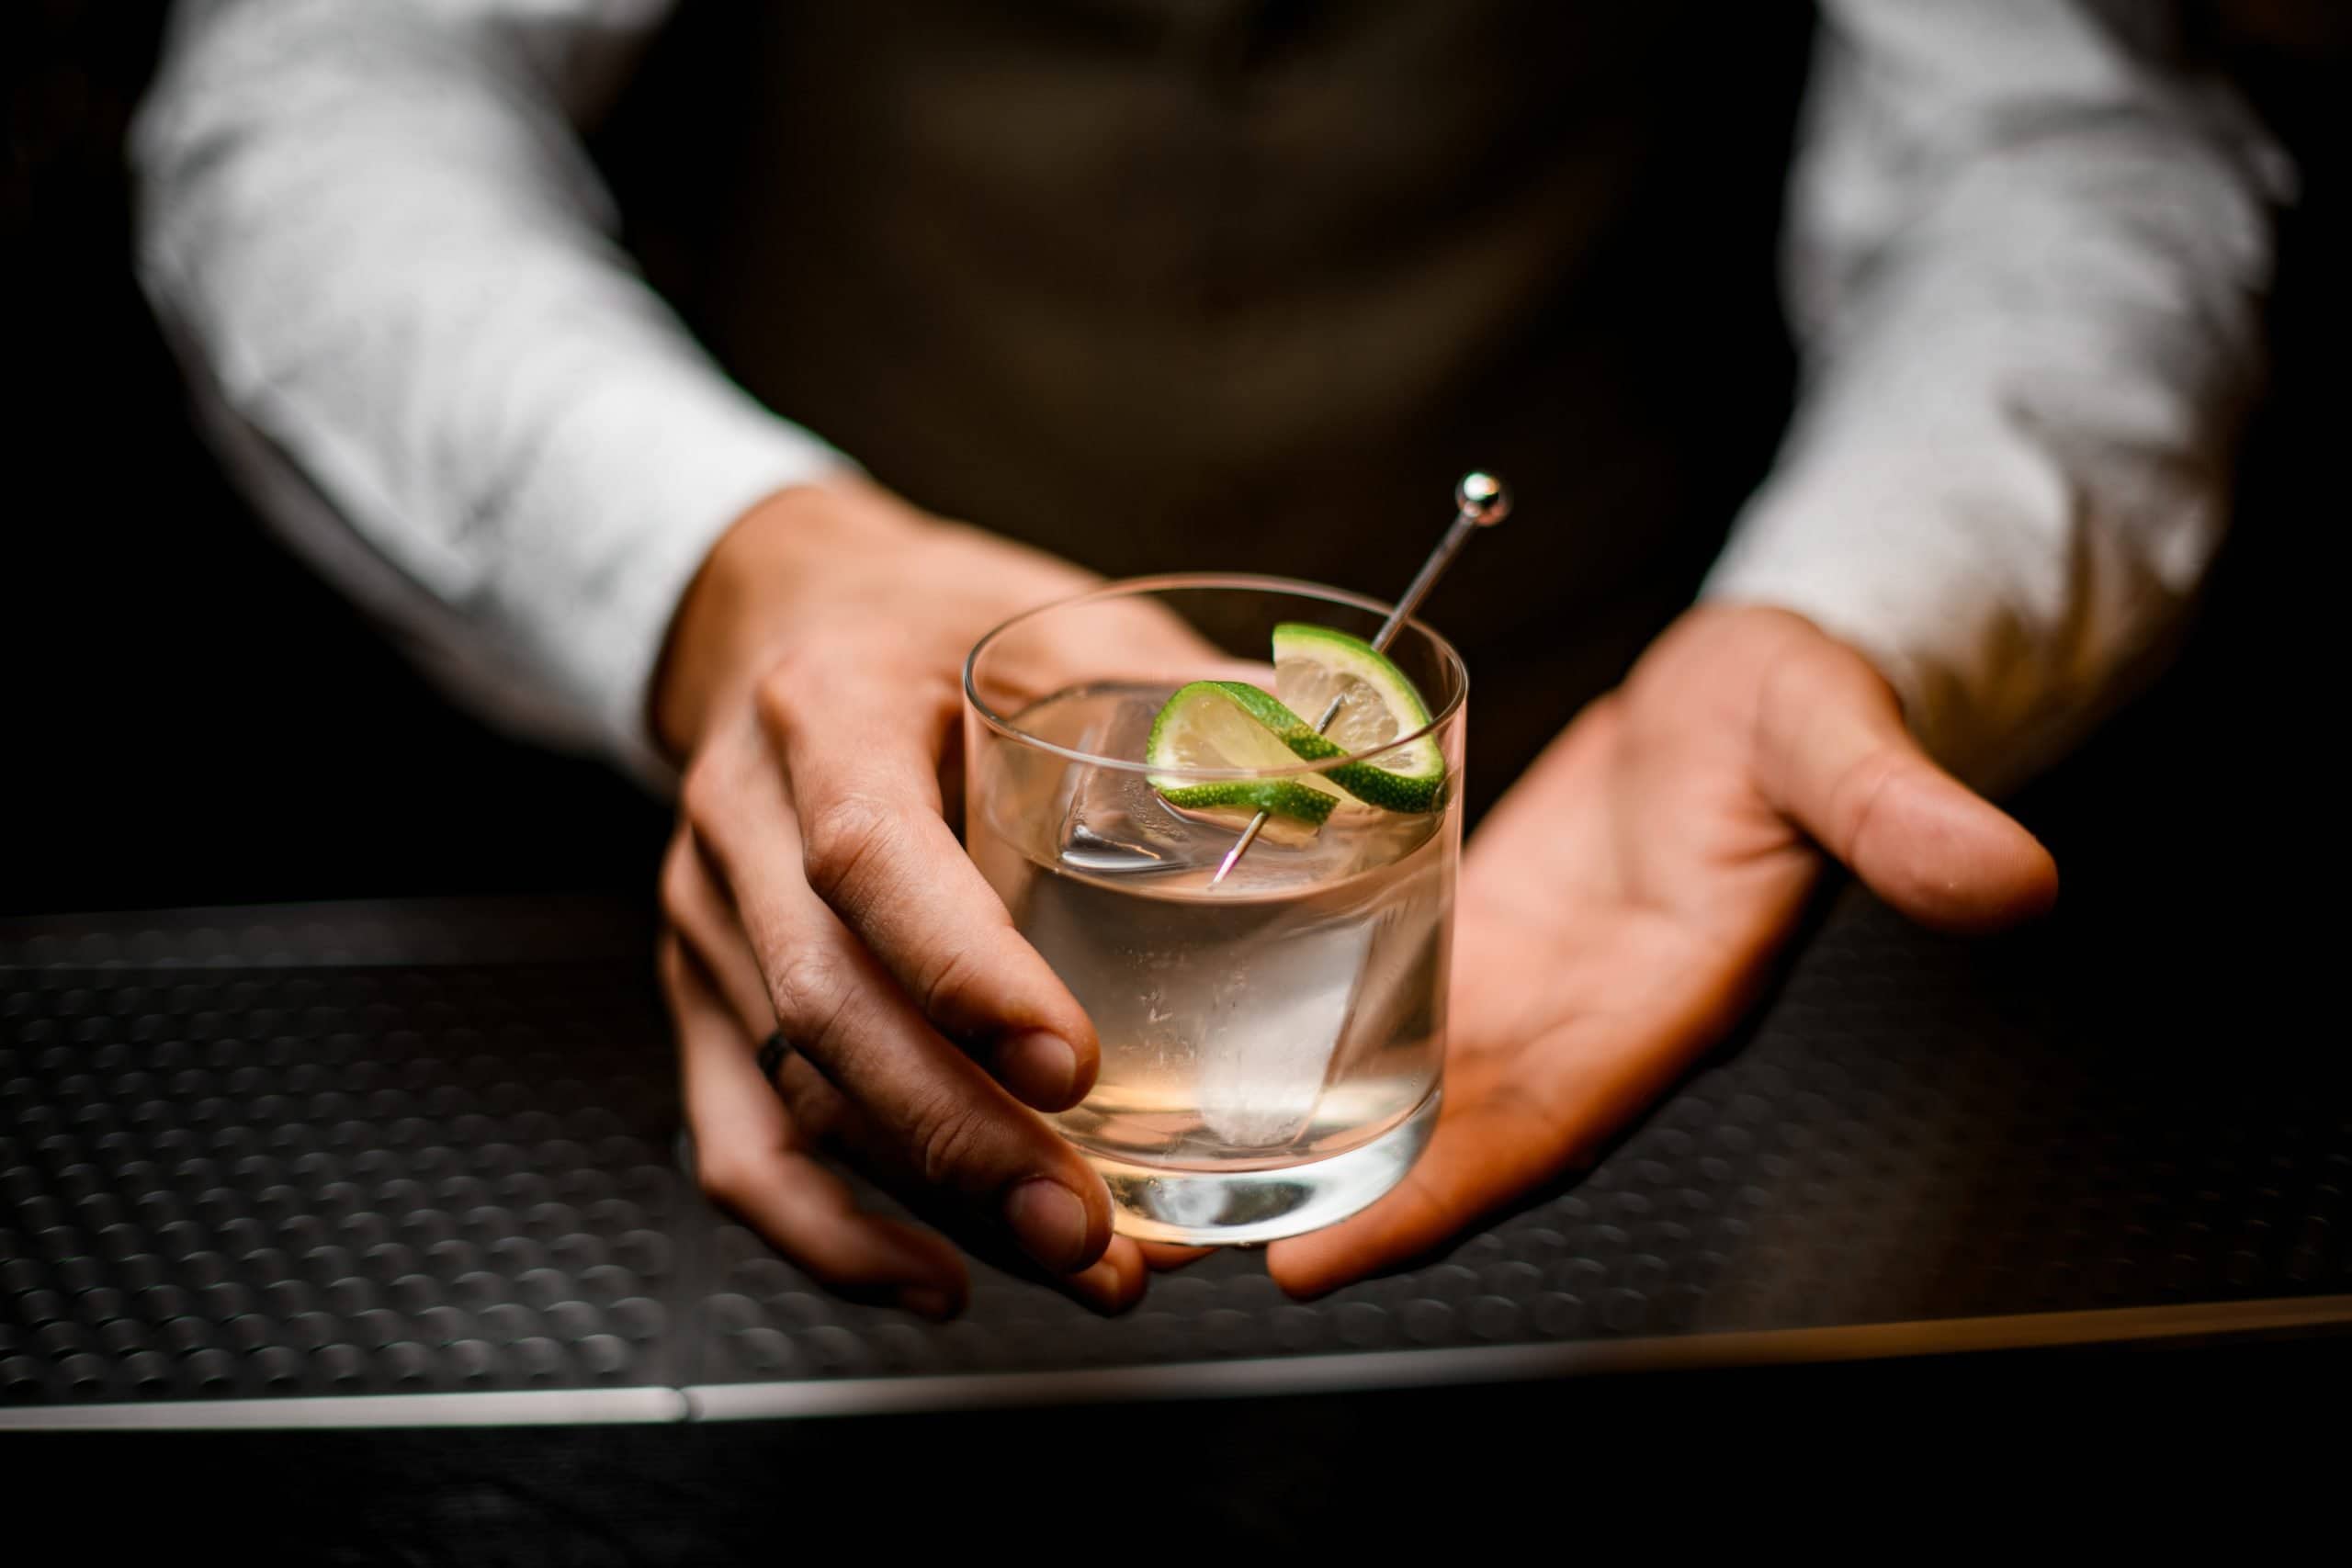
(1480, 500)
(1482, 497)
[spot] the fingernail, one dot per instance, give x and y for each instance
(924, 1302)
(1101, 1283)
(1038, 1065)
(1049, 1221)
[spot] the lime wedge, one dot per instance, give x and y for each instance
(1314, 664)
(1231, 724)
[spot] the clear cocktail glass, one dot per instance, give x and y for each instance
(1273, 1040)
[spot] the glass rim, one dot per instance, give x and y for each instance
(1132, 587)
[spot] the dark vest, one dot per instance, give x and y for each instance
(1192, 284)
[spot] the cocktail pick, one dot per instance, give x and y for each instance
(1480, 500)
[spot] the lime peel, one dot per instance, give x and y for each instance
(1314, 664)
(1231, 724)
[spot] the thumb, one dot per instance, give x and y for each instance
(1833, 756)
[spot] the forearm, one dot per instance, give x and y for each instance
(373, 231)
(2032, 305)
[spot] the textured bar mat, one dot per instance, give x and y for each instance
(390, 1149)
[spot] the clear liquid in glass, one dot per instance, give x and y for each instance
(1278, 1022)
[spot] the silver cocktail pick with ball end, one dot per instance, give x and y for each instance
(1480, 500)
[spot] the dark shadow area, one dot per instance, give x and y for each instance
(191, 718)
(1483, 1469)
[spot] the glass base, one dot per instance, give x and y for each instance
(1199, 1208)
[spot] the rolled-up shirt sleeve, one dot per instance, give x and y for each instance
(372, 233)
(2027, 247)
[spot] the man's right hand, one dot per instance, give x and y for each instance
(811, 688)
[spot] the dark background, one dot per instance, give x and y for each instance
(190, 718)
(186, 716)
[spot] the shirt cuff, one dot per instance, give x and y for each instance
(665, 470)
(1910, 559)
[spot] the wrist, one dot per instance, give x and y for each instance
(1735, 646)
(750, 590)
(1727, 678)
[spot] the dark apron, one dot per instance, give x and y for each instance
(1179, 284)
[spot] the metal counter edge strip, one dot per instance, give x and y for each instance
(532, 1407)
(1271, 1375)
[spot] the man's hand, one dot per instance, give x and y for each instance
(811, 686)
(1620, 908)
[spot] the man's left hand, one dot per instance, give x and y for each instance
(1622, 906)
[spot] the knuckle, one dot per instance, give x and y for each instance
(950, 1134)
(703, 796)
(1855, 799)
(810, 990)
(678, 881)
(784, 695)
(947, 982)
(839, 836)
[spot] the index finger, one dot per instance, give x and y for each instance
(860, 746)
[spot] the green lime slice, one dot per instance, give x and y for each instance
(1231, 724)
(1314, 664)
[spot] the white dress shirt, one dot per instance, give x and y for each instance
(2026, 249)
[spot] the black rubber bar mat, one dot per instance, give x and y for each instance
(337, 1152)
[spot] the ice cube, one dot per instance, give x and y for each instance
(1267, 1051)
(1113, 823)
